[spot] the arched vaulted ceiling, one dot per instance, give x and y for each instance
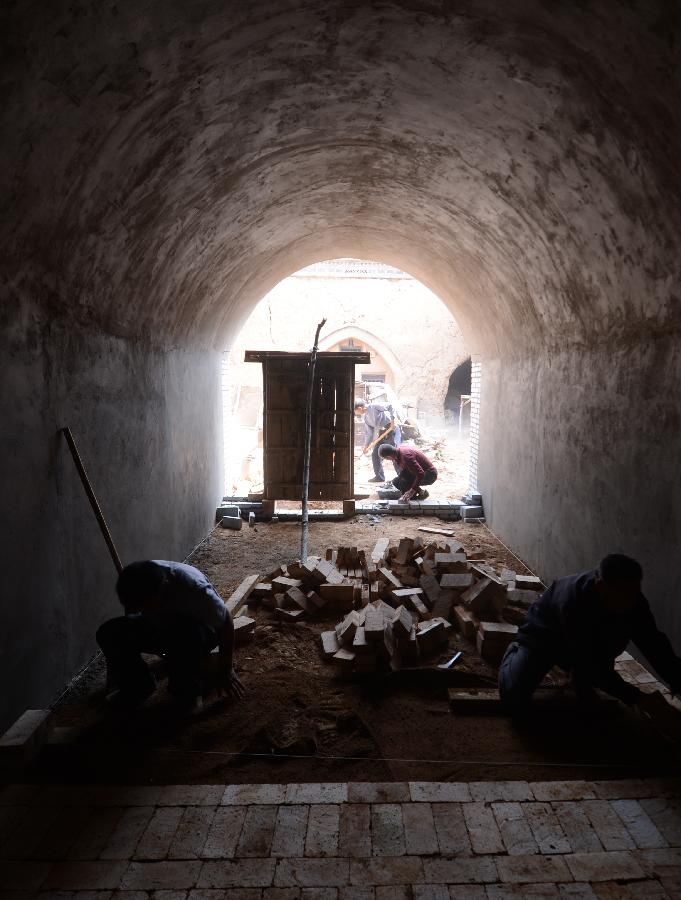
(167, 162)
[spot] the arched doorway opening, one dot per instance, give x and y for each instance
(457, 406)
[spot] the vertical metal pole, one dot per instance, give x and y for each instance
(308, 440)
(93, 499)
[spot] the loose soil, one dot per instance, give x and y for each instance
(303, 721)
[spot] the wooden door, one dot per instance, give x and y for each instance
(331, 457)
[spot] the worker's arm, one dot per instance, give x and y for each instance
(230, 681)
(656, 648)
(588, 668)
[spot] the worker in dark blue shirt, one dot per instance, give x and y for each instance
(582, 623)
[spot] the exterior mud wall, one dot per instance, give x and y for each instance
(146, 423)
(576, 462)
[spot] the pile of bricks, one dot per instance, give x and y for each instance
(397, 603)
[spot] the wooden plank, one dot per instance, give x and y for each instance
(241, 594)
(445, 531)
(357, 357)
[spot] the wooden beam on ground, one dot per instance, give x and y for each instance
(241, 594)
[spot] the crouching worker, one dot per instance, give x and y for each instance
(414, 470)
(173, 611)
(582, 623)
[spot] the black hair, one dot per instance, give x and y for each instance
(618, 567)
(359, 403)
(387, 450)
(138, 581)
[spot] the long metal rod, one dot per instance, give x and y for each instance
(308, 441)
(92, 498)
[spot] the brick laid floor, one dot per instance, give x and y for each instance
(421, 840)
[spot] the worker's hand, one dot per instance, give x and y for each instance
(406, 496)
(232, 685)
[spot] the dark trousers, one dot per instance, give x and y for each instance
(181, 640)
(520, 674)
(376, 460)
(405, 478)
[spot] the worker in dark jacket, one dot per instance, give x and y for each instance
(582, 623)
(171, 610)
(414, 469)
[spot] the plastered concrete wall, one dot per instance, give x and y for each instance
(422, 341)
(146, 425)
(579, 458)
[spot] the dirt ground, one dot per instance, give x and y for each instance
(303, 721)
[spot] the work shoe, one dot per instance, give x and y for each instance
(125, 702)
(421, 494)
(188, 707)
(374, 480)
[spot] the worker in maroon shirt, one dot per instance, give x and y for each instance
(413, 469)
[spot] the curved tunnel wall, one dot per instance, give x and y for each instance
(164, 166)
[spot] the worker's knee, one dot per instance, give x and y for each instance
(112, 633)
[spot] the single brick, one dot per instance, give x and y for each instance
(639, 825)
(514, 828)
(578, 890)
(439, 792)
(227, 873)
(386, 870)
(289, 831)
(613, 866)
(450, 826)
(257, 831)
(29, 833)
(127, 833)
(377, 792)
(245, 794)
(661, 862)
(460, 871)
(630, 789)
(420, 837)
(224, 832)
(467, 892)
(532, 869)
(159, 834)
(353, 892)
(312, 872)
(322, 830)
(191, 795)
(334, 792)
(86, 876)
(482, 829)
(546, 828)
(387, 830)
(501, 791)
(543, 891)
(63, 833)
(355, 830)
(577, 827)
(153, 876)
(319, 893)
(562, 790)
(666, 814)
(430, 892)
(192, 833)
(607, 825)
(95, 836)
(17, 875)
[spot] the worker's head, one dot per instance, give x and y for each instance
(360, 407)
(138, 584)
(618, 582)
(387, 451)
